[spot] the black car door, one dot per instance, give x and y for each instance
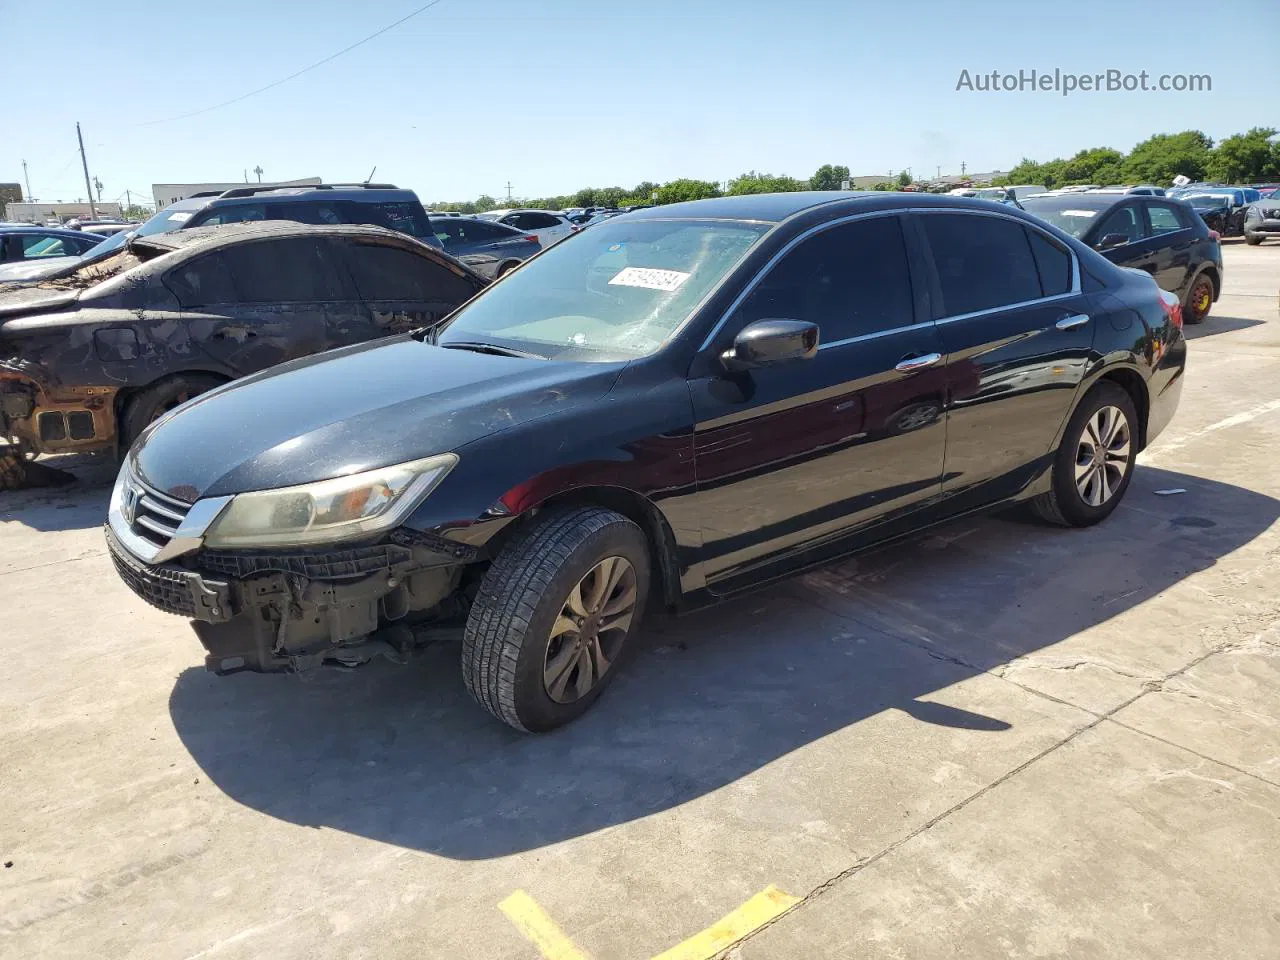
(253, 305)
(809, 450)
(402, 288)
(1171, 242)
(1017, 332)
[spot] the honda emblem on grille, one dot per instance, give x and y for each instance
(129, 501)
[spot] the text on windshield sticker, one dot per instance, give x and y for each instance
(650, 278)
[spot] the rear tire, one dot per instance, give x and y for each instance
(1199, 300)
(525, 620)
(148, 405)
(1252, 241)
(1094, 463)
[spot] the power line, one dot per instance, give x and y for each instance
(275, 83)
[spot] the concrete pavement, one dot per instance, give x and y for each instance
(999, 740)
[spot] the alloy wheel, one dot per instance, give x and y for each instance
(589, 632)
(1102, 455)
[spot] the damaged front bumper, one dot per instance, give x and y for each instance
(290, 611)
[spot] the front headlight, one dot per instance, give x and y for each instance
(329, 510)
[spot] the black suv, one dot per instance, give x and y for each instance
(1162, 236)
(678, 405)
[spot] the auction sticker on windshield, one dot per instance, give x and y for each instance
(1079, 213)
(650, 278)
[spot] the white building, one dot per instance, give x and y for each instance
(167, 193)
(40, 212)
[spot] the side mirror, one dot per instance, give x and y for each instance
(767, 342)
(1113, 240)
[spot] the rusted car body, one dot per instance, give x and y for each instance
(89, 358)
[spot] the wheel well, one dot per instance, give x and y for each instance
(127, 394)
(1212, 274)
(641, 511)
(1136, 387)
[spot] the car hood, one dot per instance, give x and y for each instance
(351, 410)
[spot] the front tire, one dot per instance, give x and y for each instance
(554, 615)
(1094, 463)
(1253, 239)
(149, 405)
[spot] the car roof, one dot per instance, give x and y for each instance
(200, 239)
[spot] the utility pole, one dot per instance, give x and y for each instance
(93, 211)
(128, 202)
(246, 174)
(258, 171)
(938, 175)
(962, 166)
(27, 180)
(508, 191)
(98, 186)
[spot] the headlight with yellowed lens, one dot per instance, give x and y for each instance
(339, 509)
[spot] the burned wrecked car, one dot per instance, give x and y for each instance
(676, 405)
(92, 356)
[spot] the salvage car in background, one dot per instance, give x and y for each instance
(1161, 236)
(491, 249)
(88, 361)
(547, 225)
(680, 404)
(1230, 201)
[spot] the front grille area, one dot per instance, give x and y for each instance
(151, 514)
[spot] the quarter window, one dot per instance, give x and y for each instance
(850, 280)
(36, 246)
(1053, 264)
(982, 262)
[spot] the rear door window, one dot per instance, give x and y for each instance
(384, 272)
(308, 212)
(1164, 218)
(291, 269)
(36, 246)
(982, 262)
(236, 213)
(403, 217)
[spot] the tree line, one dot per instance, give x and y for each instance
(1240, 158)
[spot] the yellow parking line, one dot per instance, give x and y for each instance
(755, 913)
(538, 928)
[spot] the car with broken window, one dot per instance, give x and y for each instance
(677, 406)
(87, 360)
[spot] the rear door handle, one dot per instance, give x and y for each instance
(918, 363)
(1073, 322)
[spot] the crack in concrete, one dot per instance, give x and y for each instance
(1151, 686)
(53, 563)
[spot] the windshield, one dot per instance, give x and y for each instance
(615, 292)
(1074, 216)
(1207, 199)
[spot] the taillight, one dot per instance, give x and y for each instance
(532, 237)
(1172, 308)
(1214, 235)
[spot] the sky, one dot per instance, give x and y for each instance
(554, 95)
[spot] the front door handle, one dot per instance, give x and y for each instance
(918, 363)
(1073, 322)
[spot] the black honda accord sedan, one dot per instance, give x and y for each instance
(672, 407)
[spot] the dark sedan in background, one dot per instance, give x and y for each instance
(32, 244)
(1159, 235)
(676, 406)
(491, 249)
